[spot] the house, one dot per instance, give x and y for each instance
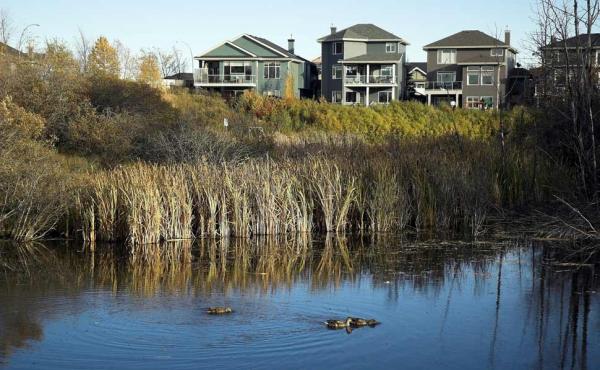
(560, 56)
(416, 80)
(254, 63)
(319, 65)
(183, 80)
(362, 64)
(469, 68)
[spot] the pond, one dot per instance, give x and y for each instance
(452, 305)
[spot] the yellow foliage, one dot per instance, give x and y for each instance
(104, 60)
(149, 72)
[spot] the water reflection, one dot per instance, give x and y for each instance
(516, 304)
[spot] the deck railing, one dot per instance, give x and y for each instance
(201, 76)
(439, 85)
(363, 80)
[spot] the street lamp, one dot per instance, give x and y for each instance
(191, 52)
(23, 33)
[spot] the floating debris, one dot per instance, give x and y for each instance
(218, 310)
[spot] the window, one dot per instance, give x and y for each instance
(446, 56)
(336, 96)
(446, 76)
(473, 75)
(272, 70)
(487, 76)
(391, 47)
(336, 72)
(351, 71)
(276, 93)
(472, 102)
(420, 85)
(487, 102)
(497, 52)
(338, 48)
(237, 68)
(351, 97)
(385, 97)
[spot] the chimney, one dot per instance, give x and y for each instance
(333, 29)
(291, 43)
(507, 37)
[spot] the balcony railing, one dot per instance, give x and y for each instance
(438, 85)
(202, 77)
(363, 80)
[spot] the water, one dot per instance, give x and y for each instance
(442, 305)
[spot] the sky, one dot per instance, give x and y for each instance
(196, 26)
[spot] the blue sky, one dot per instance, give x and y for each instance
(203, 24)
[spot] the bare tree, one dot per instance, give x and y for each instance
(170, 62)
(6, 26)
(83, 48)
(570, 84)
(127, 60)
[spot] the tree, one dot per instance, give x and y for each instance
(148, 71)
(104, 60)
(289, 91)
(170, 62)
(6, 27)
(82, 50)
(127, 61)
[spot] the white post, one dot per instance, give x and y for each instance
(343, 84)
(457, 103)
(368, 78)
(393, 93)
(428, 99)
(367, 96)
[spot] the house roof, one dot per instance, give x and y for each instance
(574, 41)
(5, 48)
(283, 52)
(374, 58)
(365, 31)
(181, 76)
(470, 38)
(317, 60)
(420, 65)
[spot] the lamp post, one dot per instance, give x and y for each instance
(23, 33)
(191, 52)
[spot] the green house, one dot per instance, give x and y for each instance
(253, 63)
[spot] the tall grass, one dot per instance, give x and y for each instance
(414, 186)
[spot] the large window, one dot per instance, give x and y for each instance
(336, 72)
(446, 56)
(351, 97)
(338, 48)
(473, 75)
(480, 75)
(446, 76)
(336, 96)
(237, 68)
(272, 70)
(487, 76)
(391, 47)
(385, 97)
(479, 102)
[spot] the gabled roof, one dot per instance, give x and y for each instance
(572, 42)
(417, 65)
(277, 50)
(468, 39)
(366, 32)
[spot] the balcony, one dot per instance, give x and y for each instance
(363, 80)
(203, 78)
(443, 87)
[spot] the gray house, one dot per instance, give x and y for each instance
(469, 68)
(253, 63)
(362, 64)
